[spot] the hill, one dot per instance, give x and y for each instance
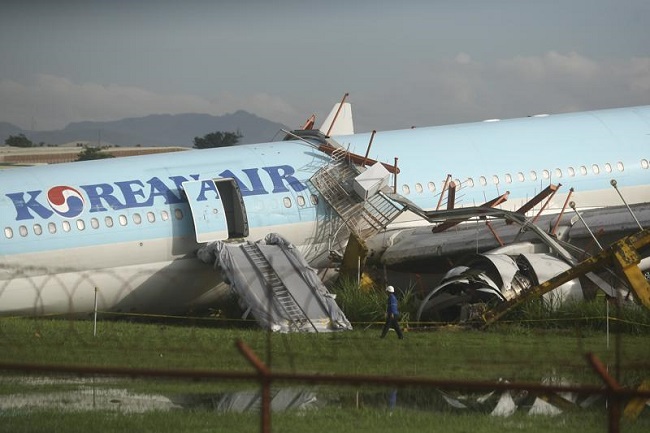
(154, 130)
(7, 129)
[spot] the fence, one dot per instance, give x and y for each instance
(163, 350)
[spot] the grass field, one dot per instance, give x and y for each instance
(508, 352)
(327, 421)
(511, 352)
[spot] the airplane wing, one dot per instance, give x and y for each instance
(440, 250)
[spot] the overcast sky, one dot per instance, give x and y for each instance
(404, 62)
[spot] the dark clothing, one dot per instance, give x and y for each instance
(391, 322)
(392, 313)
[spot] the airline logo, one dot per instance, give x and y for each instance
(70, 202)
(66, 201)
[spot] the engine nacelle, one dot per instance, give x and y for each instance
(486, 280)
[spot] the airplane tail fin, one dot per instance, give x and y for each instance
(339, 121)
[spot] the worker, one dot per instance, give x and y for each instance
(392, 314)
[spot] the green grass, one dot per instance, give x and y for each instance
(511, 351)
(591, 315)
(325, 420)
(515, 352)
(367, 306)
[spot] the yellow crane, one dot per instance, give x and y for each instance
(623, 256)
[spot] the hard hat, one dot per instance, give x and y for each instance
(390, 289)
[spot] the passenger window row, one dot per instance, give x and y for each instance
(95, 223)
(300, 200)
(520, 176)
(123, 220)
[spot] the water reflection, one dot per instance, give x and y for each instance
(77, 394)
(392, 399)
(282, 399)
(87, 398)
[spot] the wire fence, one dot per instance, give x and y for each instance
(437, 368)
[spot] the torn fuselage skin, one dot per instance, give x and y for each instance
(485, 280)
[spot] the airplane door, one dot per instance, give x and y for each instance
(218, 209)
(234, 208)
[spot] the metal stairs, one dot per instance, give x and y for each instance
(281, 297)
(363, 217)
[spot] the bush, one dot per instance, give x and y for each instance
(589, 315)
(368, 304)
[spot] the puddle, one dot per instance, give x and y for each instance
(85, 394)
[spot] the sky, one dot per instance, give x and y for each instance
(406, 63)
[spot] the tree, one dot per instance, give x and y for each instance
(217, 139)
(18, 141)
(90, 153)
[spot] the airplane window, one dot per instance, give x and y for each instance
(301, 200)
(533, 175)
(137, 218)
(94, 223)
(51, 227)
(495, 179)
(108, 221)
(22, 230)
(521, 177)
(583, 170)
(313, 199)
(122, 219)
(38, 230)
(571, 171)
(482, 180)
(558, 172)
(81, 225)
(470, 182)
(66, 226)
(546, 174)
(164, 215)
(405, 189)
(595, 168)
(432, 186)
(608, 167)
(508, 178)
(619, 166)
(151, 217)
(178, 214)
(287, 202)
(418, 188)
(9, 233)
(644, 164)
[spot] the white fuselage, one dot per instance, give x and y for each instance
(123, 228)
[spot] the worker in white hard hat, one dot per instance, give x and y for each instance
(392, 314)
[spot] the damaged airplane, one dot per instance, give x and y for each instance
(129, 228)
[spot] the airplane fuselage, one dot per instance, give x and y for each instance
(125, 227)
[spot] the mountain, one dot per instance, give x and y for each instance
(155, 130)
(7, 129)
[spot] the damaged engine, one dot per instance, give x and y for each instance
(485, 280)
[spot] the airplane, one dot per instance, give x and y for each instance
(122, 234)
